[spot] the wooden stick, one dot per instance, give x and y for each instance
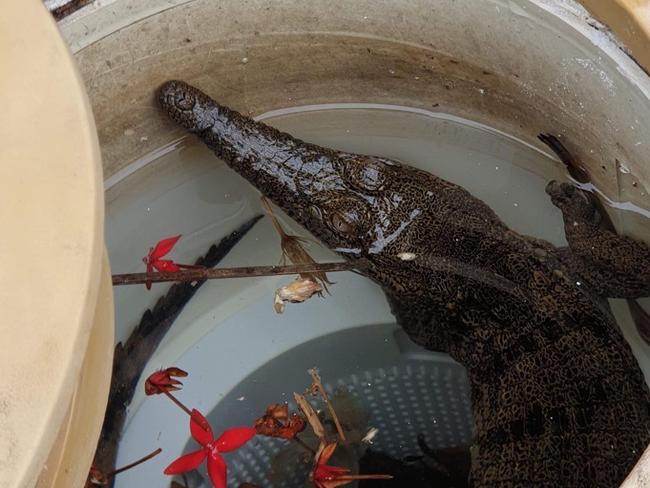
(226, 273)
(312, 416)
(317, 385)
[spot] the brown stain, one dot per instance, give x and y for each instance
(68, 8)
(625, 19)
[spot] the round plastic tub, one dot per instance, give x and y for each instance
(519, 68)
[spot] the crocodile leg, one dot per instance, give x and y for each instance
(613, 265)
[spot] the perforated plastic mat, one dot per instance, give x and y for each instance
(382, 380)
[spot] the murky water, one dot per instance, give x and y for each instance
(184, 189)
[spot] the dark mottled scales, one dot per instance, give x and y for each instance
(558, 398)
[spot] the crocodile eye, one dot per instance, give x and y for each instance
(315, 212)
(366, 173)
(341, 224)
(184, 101)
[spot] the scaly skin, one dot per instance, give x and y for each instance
(558, 399)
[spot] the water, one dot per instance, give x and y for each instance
(188, 191)
(183, 188)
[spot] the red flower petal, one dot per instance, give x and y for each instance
(165, 265)
(324, 472)
(161, 381)
(234, 438)
(326, 453)
(174, 371)
(217, 470)
(200, 428)
(163, 247)
(188, 462)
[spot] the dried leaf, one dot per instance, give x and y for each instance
(311, 415)
(293, 249)
(372, 433)
(297, 291)
(278, 304)
(317, 387)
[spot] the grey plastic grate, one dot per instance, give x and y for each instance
(404, 393)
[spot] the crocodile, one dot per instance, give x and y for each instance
(558, 398)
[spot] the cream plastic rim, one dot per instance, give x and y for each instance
(52, 224)
(129, 19)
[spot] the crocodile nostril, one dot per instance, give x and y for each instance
(184, 101)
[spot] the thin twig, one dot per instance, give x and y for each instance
(134, 463)
(317, 385)
(225, 273)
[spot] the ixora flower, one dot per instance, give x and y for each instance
(325, 476)
(154, 260)
(211, 449)
(163, 381)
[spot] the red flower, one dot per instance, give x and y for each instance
(153, 259)
(211, 449)
(325, 476)
(162, 381)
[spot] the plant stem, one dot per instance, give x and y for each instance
(318, 385)
(305, 446)
(134, 463)
(178, 403)
(225, 273)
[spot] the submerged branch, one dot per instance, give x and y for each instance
(317, 387)
(225, 273)
(135, 463)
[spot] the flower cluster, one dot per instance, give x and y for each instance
(276, 422)
(164, 382)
